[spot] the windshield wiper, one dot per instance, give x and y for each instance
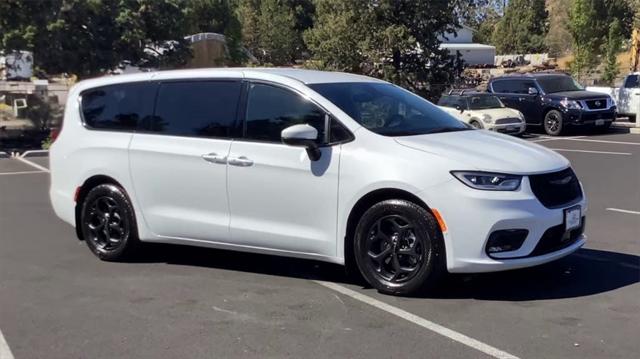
(447, 129)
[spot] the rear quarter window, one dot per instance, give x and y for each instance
(119, 107)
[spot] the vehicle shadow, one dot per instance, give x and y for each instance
(586, 272)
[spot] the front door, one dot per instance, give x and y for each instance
(178, 163)
(278, 197)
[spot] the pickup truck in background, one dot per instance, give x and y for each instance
(626, 97)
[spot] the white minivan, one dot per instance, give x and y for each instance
(323, 165)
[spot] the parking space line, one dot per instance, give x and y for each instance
(20, 173)
(434, 327)
(32, 164)
(5, 352)
(623, 211)
(602, 141)
(586, 151)
(547, 138)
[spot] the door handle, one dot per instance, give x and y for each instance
(214, 158)
(241, 161)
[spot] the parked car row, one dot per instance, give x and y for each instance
(552, 101)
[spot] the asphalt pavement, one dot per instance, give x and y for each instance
(58, 301)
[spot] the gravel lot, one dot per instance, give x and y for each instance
(58, 301)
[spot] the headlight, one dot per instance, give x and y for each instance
(489, 181)
(570, 104)
(487, 118)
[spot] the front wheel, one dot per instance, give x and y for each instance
(553, 123)
(108, 223)
(399, 248)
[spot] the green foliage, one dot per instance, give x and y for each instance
(396, 40)
(522, 29)
(272, 29)
(89, 37)
(613, 46)
(583, 29)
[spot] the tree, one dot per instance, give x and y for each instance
(272, 29)
(582, 25)
(522, 29)
(90, 37)
(396, 40)
(558, 39)
(613, 45)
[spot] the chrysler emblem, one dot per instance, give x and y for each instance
(561, 181)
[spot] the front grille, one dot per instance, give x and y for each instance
(597, 104)
(557, 188)
(556, 238)
(504, 121)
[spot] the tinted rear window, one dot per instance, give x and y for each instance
(512, 86)
(196, 108)
(118, 107)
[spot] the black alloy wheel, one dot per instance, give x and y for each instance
(108, 224)
(553, 123)
(399, 248)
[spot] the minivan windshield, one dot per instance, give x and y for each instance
(483, 102)
(387, 109)
(551, 84)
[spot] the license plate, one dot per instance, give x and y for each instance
(572, 217)
(599, 122)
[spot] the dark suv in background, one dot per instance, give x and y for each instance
(554, 100)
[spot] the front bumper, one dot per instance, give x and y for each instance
(511, 129)
(472, 215)
(589, 118)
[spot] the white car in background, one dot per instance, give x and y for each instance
(483, 111)
(323, 165)
(627, 97)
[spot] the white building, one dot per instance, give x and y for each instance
(472, 53)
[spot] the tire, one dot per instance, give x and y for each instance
(475, 124)
(553, 123)
(399, 248)
(108, 223)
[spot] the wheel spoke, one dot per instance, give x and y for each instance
(380, 257)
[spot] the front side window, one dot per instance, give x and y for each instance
(632, 81)
(515, 86)
(118, 107)
(271, 109)
(387, 109)
(483, 102)
(196, 108)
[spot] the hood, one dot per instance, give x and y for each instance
(496, 113)
(578, 95)
(488, 151)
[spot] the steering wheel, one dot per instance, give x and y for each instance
(394, 121)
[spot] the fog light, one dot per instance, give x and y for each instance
(506, 240)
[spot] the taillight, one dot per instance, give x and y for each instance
(54, 133)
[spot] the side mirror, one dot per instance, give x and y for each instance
(532, 91)
(302, 136)
(459, 108)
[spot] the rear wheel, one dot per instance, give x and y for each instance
(398, 248)
(553, 123)
(108, 223)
